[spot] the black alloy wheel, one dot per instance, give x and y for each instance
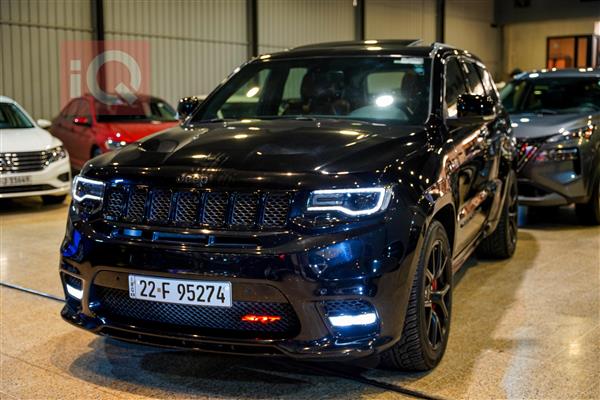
(427, 322)
(436, 302)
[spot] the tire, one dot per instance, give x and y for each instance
(423, 342)
(49, 200)
(589, 213)
(501, 244)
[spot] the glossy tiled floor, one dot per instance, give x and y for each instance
(524, 328)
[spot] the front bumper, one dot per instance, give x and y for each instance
(282, 275)
(54, 180)
(547, 182)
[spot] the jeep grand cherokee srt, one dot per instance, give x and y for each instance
(315, 205)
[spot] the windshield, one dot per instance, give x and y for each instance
(552, 95)
(13, 118)
(153, 110)
(375, 88)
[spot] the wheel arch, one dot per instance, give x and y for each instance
(446, 217)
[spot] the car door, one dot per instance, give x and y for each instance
(467, 156)
(83, 133)
(61, 126)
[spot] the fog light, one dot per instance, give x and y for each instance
(352, 320)
(73, 292)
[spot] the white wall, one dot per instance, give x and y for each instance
(400, 19)
(468, 26)
(31, 33)
(287, 23)
(525, 42)
(193, 44)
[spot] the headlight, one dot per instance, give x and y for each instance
(88, 193)
(353, 202)
(115, 144)
(564, 135)
(56, 153)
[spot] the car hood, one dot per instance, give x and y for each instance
(531, 126)
(27, 139)
(326, 146)
(133, 131)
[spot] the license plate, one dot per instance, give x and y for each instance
(180, 291)
(15, 180)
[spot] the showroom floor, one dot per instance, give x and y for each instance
(528, 327)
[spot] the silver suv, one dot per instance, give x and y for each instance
(555, 117)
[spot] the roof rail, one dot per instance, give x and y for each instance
(349, 43)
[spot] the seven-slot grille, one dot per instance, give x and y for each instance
(24, 162)
(191, 207)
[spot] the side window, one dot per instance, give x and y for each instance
(488, 83)
(473, 80)
(455, 86)
(70, 110)
(83, 109)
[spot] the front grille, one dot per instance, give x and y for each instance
(24, 162)
(160, 206)
(244, 210)
(215, 209)
(196, 208)
(115, 304)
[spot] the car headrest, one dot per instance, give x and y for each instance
(412, 86)
(318, 84)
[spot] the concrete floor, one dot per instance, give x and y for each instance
(524, 328)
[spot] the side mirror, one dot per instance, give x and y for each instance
(84, 121)
(44, 123)
(473, 108)
(187, 105)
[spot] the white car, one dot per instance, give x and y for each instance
(32, 161)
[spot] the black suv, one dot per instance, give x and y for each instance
(315, 205)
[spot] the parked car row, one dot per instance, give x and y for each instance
(34, 162)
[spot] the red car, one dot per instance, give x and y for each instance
(88, 127)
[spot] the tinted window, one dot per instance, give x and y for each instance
(370, 88)
(70, 110)
(83, 109)
(553, 95)
(473, 79)
(140, 110)
(455, 85)
(162, 111)
(12, 118)
(488, 83)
